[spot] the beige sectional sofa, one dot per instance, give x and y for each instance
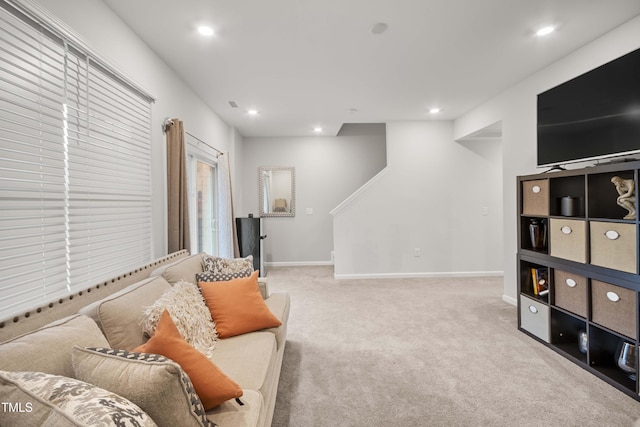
(253, 360)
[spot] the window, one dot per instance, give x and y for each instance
(75, 166)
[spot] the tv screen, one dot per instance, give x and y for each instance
(593, 116)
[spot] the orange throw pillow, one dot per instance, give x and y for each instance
(211, 384)
(237, 306)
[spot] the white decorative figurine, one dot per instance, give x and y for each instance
(627, 195)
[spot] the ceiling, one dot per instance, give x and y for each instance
(309, 63)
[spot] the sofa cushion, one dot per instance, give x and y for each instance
(48, 349)
(156, 384)
(211, 384)
(189, 313)
(120, 315)
(183, 269)
(230, 413)
(237, 306)
(215, 264)
(54, 400)
(248, 358)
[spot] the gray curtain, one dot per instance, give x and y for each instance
(177, 202)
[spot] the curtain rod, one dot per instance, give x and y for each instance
(167, 123)
(220, 153)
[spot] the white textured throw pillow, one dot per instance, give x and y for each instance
(190, 314)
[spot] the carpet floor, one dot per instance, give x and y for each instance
(425, 352)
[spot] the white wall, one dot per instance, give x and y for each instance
(236, 153)
(328, 169)
(516, 108)
(432, 198)
(111, 38)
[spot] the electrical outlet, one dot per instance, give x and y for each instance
(416, 252)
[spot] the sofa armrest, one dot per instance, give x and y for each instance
(279, 304)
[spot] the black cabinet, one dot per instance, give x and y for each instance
(250, 241)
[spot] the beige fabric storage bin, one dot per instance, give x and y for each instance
(614, 307)
(570, 292)
(613, 245)
(535, 197)
(534, 317)
(568, 239)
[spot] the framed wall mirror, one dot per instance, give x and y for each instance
(277, 191)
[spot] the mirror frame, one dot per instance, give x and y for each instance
(261, 183)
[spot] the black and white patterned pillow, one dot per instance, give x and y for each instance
(214, 264)
(155, 383)
(209, 276)
(63, 402)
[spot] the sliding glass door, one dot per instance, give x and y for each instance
(204, 195)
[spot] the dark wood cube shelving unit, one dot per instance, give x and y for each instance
(593, 280)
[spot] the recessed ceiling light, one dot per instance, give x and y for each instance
(379, 28)
(252, 112)
(205, 30)
(545, 31)
(317, 129)
(434, 110)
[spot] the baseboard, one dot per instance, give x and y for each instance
(298, 263)
(509, 300)
(419, 275)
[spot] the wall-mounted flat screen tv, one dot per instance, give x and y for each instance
(593, 116)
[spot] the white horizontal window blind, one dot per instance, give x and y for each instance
(75, 168)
